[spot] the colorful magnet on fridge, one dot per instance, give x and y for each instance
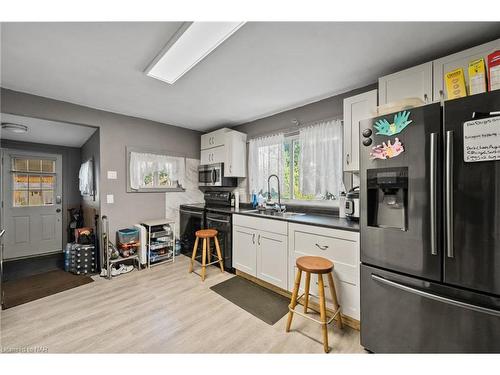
(400, 122)
(387, 151)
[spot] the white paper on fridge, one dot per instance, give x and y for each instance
(482, 140)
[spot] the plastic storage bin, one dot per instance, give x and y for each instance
(127, 235)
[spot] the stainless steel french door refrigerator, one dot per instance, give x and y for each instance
(430, 228)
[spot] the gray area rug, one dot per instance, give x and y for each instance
(262, 303)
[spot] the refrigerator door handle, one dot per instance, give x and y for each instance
(433, 184)
(435, 297)
(449, 194)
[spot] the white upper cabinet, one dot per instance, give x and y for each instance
(356, 108)
(213, 139)
(415, 82)
(459, 60)
(225, 146)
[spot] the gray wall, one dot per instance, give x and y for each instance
(326, 108)
(116, 132)
(70, 168)
(91, 205)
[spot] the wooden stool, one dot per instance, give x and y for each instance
(318, 266)
(206, 235)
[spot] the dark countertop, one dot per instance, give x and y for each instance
(316, 219)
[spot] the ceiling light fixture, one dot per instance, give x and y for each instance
(14, 128)
(190, 44)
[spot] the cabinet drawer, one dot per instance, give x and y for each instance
(334, 248)
(267, 225)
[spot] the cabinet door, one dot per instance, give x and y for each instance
(245, 250)
(213, 155)
(213, 139)
(459, 60)
(272, 258)
(235, 146)
(414, 82)
(205, 157)
(356, 108)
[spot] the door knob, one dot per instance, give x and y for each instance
(58, 210)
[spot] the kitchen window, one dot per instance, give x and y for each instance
(309, 164)
(154, 172)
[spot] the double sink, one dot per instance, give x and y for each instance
(284, 215)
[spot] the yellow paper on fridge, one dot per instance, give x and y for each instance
(455, 84)
(477, 77)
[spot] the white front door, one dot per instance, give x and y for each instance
(32, 203)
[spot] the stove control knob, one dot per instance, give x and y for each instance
(367, 133)
(367, 142)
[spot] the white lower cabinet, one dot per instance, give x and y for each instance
(244, 250)
(268, 249)
(272, 258)
(260, 248)
(339, 246)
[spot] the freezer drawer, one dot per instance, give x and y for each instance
(401, 314)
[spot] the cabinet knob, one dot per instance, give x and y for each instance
(426, 98)
(347, 158)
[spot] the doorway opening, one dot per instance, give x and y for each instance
(43, 203)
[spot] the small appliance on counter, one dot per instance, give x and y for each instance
(352, 204)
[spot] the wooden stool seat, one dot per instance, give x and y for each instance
(317, 265)
(206, 235)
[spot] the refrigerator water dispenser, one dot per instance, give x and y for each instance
(387, 198)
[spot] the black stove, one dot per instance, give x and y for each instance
(215, 213)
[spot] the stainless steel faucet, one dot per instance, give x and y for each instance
(278, 207)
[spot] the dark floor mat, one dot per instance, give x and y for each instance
(22, 268)
(30, 288)
(262, 303)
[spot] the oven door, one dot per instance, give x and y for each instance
(210, 175)
(222, 223)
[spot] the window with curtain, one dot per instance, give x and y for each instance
(86, 178)
(309, 164)
(155, 172)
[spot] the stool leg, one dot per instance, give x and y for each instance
(195, 248)
(308, 283)
(336, 305)
(204, 260)
(219, 254)
(293, 303)
(322, 311)
(209, 253)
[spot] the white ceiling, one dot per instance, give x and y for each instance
(265, 68)
(47, 132)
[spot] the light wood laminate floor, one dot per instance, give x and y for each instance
(159, 310)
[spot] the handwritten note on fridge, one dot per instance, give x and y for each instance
(482, 140)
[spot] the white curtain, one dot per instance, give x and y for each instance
(86, 178)
(143, 164)
(320, 162)
(265, 157)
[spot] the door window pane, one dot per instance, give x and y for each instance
(34, 165)
(20, 181)
(48, 166)
(20, 165)
(20, 198)
(35, 198)
(35, 182)
(48, 197)
(47, 182)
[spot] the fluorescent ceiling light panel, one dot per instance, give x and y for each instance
(191, 44)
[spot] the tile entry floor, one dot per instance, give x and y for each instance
(159, 310)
